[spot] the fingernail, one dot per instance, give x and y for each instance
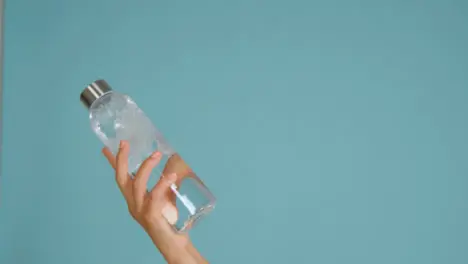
(170, 213)
(122, 144)
(155, 155)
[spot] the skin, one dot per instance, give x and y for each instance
(146, 207)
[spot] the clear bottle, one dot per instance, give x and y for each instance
(115, 117)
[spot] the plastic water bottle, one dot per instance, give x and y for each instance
(115, 117)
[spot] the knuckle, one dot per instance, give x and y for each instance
(119, 180)
(132, 213)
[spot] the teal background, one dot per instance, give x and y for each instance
(330, 131)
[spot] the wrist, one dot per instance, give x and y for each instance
(178, 253)
(175, 248)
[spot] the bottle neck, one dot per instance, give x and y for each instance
(102, 100)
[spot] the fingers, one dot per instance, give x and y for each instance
(135, 190)
(109, 156)
(163, 186)
(123, 180)
(175, 164)
(142, 176)
(169, 211)
(121, 168)
(122, 183)
(159, 195)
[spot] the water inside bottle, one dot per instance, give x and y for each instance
(121, 119)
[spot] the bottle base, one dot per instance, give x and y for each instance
(192, 220)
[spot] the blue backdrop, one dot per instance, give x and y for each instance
(330, 131)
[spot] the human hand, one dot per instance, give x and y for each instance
(154, 208)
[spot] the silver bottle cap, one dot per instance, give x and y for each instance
(94, 91)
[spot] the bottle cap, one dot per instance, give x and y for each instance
(94, 91)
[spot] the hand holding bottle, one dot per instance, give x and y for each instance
(115, 117)
(153, 208)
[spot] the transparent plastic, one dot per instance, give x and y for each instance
(115, 117)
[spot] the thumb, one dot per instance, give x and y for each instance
(163, 187)
(159, 195)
